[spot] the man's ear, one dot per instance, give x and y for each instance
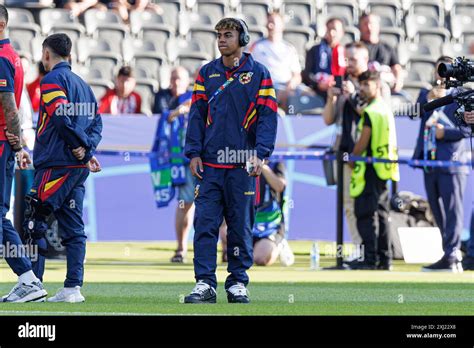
(3, 26)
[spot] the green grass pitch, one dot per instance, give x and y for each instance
(137, 279)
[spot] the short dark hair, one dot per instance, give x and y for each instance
(41, 69)
(444, 59)
(59, 43)
(369, 76)
(334, 19)
(3, 13)
(125, 71)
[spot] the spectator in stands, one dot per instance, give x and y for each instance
(326, 59)
(269, 241)
(441, 138)
(33, 88)
(380, 53)
(177, 101)
(122, 99)
(471, 48)
(280, 58)
(77, 7)
(124, 7)
(376, 137)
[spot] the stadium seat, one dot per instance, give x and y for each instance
(256, 33)
(299, 37)
(177, 46)
(255, 11)
(192, 61)
(147, 89)
(467, 39)
(53, 18)
(148, 20)
(392, 36)
(413, 88)
(193, 19)
(23, 35)
(19, 15)
(390, 12)
(461, 23)
(87, 47)
(347, 10)
(105, 62)
(96, 21)
(465, 7)
(99, 87)
(430, 9)
(434, 37)
(421, 69)
(454, 49)
(351, 34)
(424, 49)
(414, 23)
(171, 8)
(207, 39)
(150, 64)
(215, 9)
(299, 12)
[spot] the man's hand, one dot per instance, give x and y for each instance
(23, 159)
(348, 88)
(13, 140)
(257, 165)
(79, 153)
(333, 92)
(439, 131)
(469, 117)
(94, 165)
(196, 167)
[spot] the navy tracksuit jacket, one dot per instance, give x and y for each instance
(242, 117)
(447, 183)
(67, 119)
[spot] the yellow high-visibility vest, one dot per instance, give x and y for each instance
(383, 145)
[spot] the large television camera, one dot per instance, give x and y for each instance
(456, 75)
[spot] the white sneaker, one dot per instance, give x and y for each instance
(21, 293)
(69, 295)
(287, 258)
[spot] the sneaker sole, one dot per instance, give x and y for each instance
(441, 270)
(50, 300)
(212, 301)
(34, 297)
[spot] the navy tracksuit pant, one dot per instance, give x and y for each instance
(228, 193)
(8, 235)
(63, 189)
(445, 193)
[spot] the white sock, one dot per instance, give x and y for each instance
(28, 278)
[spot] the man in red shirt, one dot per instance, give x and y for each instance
(33, 88)
(122, 99)
(29, 287)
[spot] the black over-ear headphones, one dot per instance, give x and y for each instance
(244, 37)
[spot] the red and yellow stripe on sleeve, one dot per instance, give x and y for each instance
(52, 96)
(199, 91)
(266, 95)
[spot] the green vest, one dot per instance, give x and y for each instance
(383, 143)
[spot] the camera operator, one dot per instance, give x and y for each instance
(342, 108)
(440, 138)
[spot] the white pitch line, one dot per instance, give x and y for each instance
(108, 313)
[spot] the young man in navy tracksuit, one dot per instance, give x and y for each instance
(68, 132)
(234, 110)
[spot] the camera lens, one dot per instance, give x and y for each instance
(445, 70)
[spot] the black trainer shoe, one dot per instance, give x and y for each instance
(444, 265)
(385, 265)
(468, 263)
(238, 293)
(202, 293)
(361, 265)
